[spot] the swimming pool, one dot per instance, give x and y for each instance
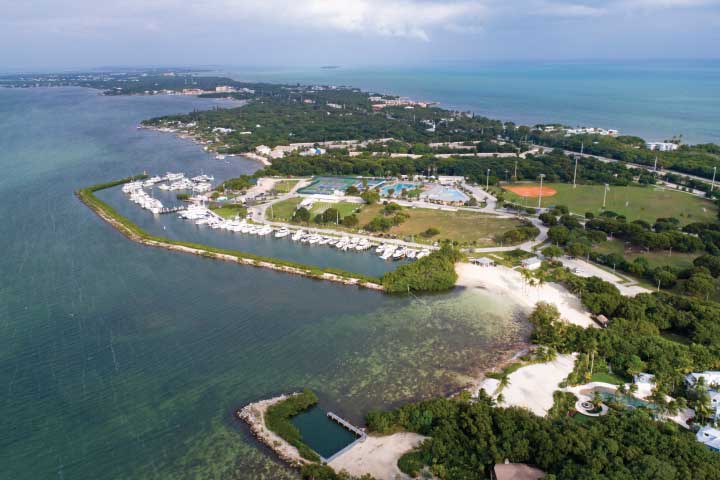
(397, 189)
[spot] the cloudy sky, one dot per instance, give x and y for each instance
(87, 33)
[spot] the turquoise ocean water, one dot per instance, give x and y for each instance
(653, 99)
(119, 361)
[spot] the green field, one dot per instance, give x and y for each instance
(284, 186)
(345, 208)
(655, 258)
(283, 211)
(635, 202)
(230, 211)
(465, 227)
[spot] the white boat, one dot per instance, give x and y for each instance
(411, 253)
(297, 235)
(333, 242)
(324, 240)
(380, 248)
(388, 252)
(399, 253)
(422, 254)
(283, 232)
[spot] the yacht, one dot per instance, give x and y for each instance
(411, 253)
(388, 252)
(399, 253)
(283, 232)
(297, 235)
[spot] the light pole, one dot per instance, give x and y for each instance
(712, 187)
(487, 180)
(542, 175)
(515, 176)
(575, 174)
(506, 175)
(605, 190)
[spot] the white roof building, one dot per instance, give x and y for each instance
(662, 146)
(710, 377)
(450, 180)
(263, 150)
(531, 263)
(710, 437)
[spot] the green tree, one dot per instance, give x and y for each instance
(302, 214)
(552, 251)
(370, 196)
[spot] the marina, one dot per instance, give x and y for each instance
(200, 214)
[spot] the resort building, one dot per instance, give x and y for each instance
(450, 180)
(662, 146)
(311, 152)
(531, 263)
(483, 262)
(263, 150)
(709, 377)
(709, 437)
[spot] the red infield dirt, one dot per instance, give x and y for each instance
(531, 190)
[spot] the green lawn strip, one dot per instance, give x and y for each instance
(468, 228)
(635, 202)
(283, 211)
(277, 419)
(230, 211)
(88, 197)
(607, 378)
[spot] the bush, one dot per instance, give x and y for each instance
(434, 273)
(277, 419)
(430, 232)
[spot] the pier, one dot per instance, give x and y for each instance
(347, 425)
(171, 209)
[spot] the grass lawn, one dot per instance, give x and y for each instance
(230, 211)
(345, 208)
(655, 258)
(635, 202)
(284, 186)
(465, 227)
(283, 211)
(607, 378)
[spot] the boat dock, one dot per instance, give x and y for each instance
(171, 209)
(347, 425)
(352, 428)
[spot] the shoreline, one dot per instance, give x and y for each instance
(253, 414)
(104, 212)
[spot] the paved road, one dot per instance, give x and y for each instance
(585, 269)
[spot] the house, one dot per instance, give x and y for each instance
(516, 471)
(311, 152)
(263, 150)
(662, 146)
(715, 403)
(531, 263)
(710, 378)
(710, 437)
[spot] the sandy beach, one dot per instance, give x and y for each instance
(377, 456)
(509, 283)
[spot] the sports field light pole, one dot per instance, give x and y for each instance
(542, 175)
(605, 190)
(575, 174)
(712, 187)
(487, 180)
(515, 176)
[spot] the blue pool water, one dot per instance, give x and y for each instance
(397, 188)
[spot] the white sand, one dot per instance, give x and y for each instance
(532, 387)
(377, 456)
(509, 283)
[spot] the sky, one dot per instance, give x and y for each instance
(44, 34)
